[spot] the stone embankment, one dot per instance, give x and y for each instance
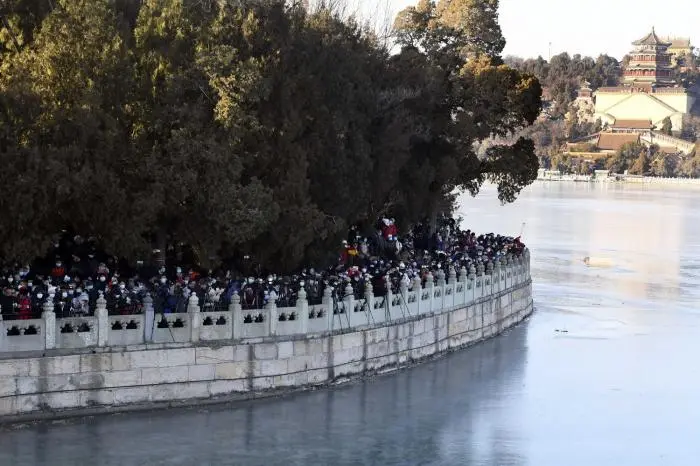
(53, 367)
(546, 175)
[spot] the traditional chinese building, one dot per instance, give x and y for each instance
(650, 63)
(649, 91)
(680, 47)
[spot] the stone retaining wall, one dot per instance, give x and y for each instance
(66, 381)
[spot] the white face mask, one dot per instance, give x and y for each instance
(64, 294)
(102, 278)
(10, 280)
(89, 287)
(121, 287)
(40, 295)
(163, 280)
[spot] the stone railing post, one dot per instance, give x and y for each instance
(327, 303)
(389, 298)
(237, 316)
(441, 278)
(195, 317)
(441, 282)
(49, 318)
(303, 310)
(403, 291)
(472, 283)
(521, 269)
(430, 286)
(480, 269)
(488, 277)
(418, 288)
(496, 276)
(526, 257)
(102, 321)
(369, 298)
(464, 280)
(452, 277)
(149, 318)
(349, 299)
(509, 271)
(272, 316)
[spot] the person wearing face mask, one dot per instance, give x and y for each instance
(93, 295)
(64, 302)
(102, 269)
(38, 298)
(113, 296)
(162, 292)
(179, 276)
(7, 304)
(101, 283)
(79, 305)
(24, 304)
(123, 300)
(58, 271)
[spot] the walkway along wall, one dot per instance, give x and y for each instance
(54, 367)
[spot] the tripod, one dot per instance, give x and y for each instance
(337, 310)
(404, 305)
(368, 311)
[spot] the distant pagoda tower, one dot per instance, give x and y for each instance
(650, 63)
(585, 92)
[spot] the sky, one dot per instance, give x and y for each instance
(588, 27)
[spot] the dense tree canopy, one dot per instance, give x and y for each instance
(563, 75)
(246, 127)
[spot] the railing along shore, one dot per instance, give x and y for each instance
(440, 293)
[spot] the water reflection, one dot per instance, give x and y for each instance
(409, 418)
(643, 231)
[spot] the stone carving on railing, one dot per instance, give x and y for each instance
(439, 294)
(220, 320)
(15, 330)
(124, 324)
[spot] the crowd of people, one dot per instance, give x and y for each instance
(76, 271)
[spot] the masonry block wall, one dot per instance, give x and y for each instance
(94, 378)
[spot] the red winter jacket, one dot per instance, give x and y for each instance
(25, 308)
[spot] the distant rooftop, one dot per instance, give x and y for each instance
(632, 124)
(613, 141)
(679, 42)
(652, 39)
